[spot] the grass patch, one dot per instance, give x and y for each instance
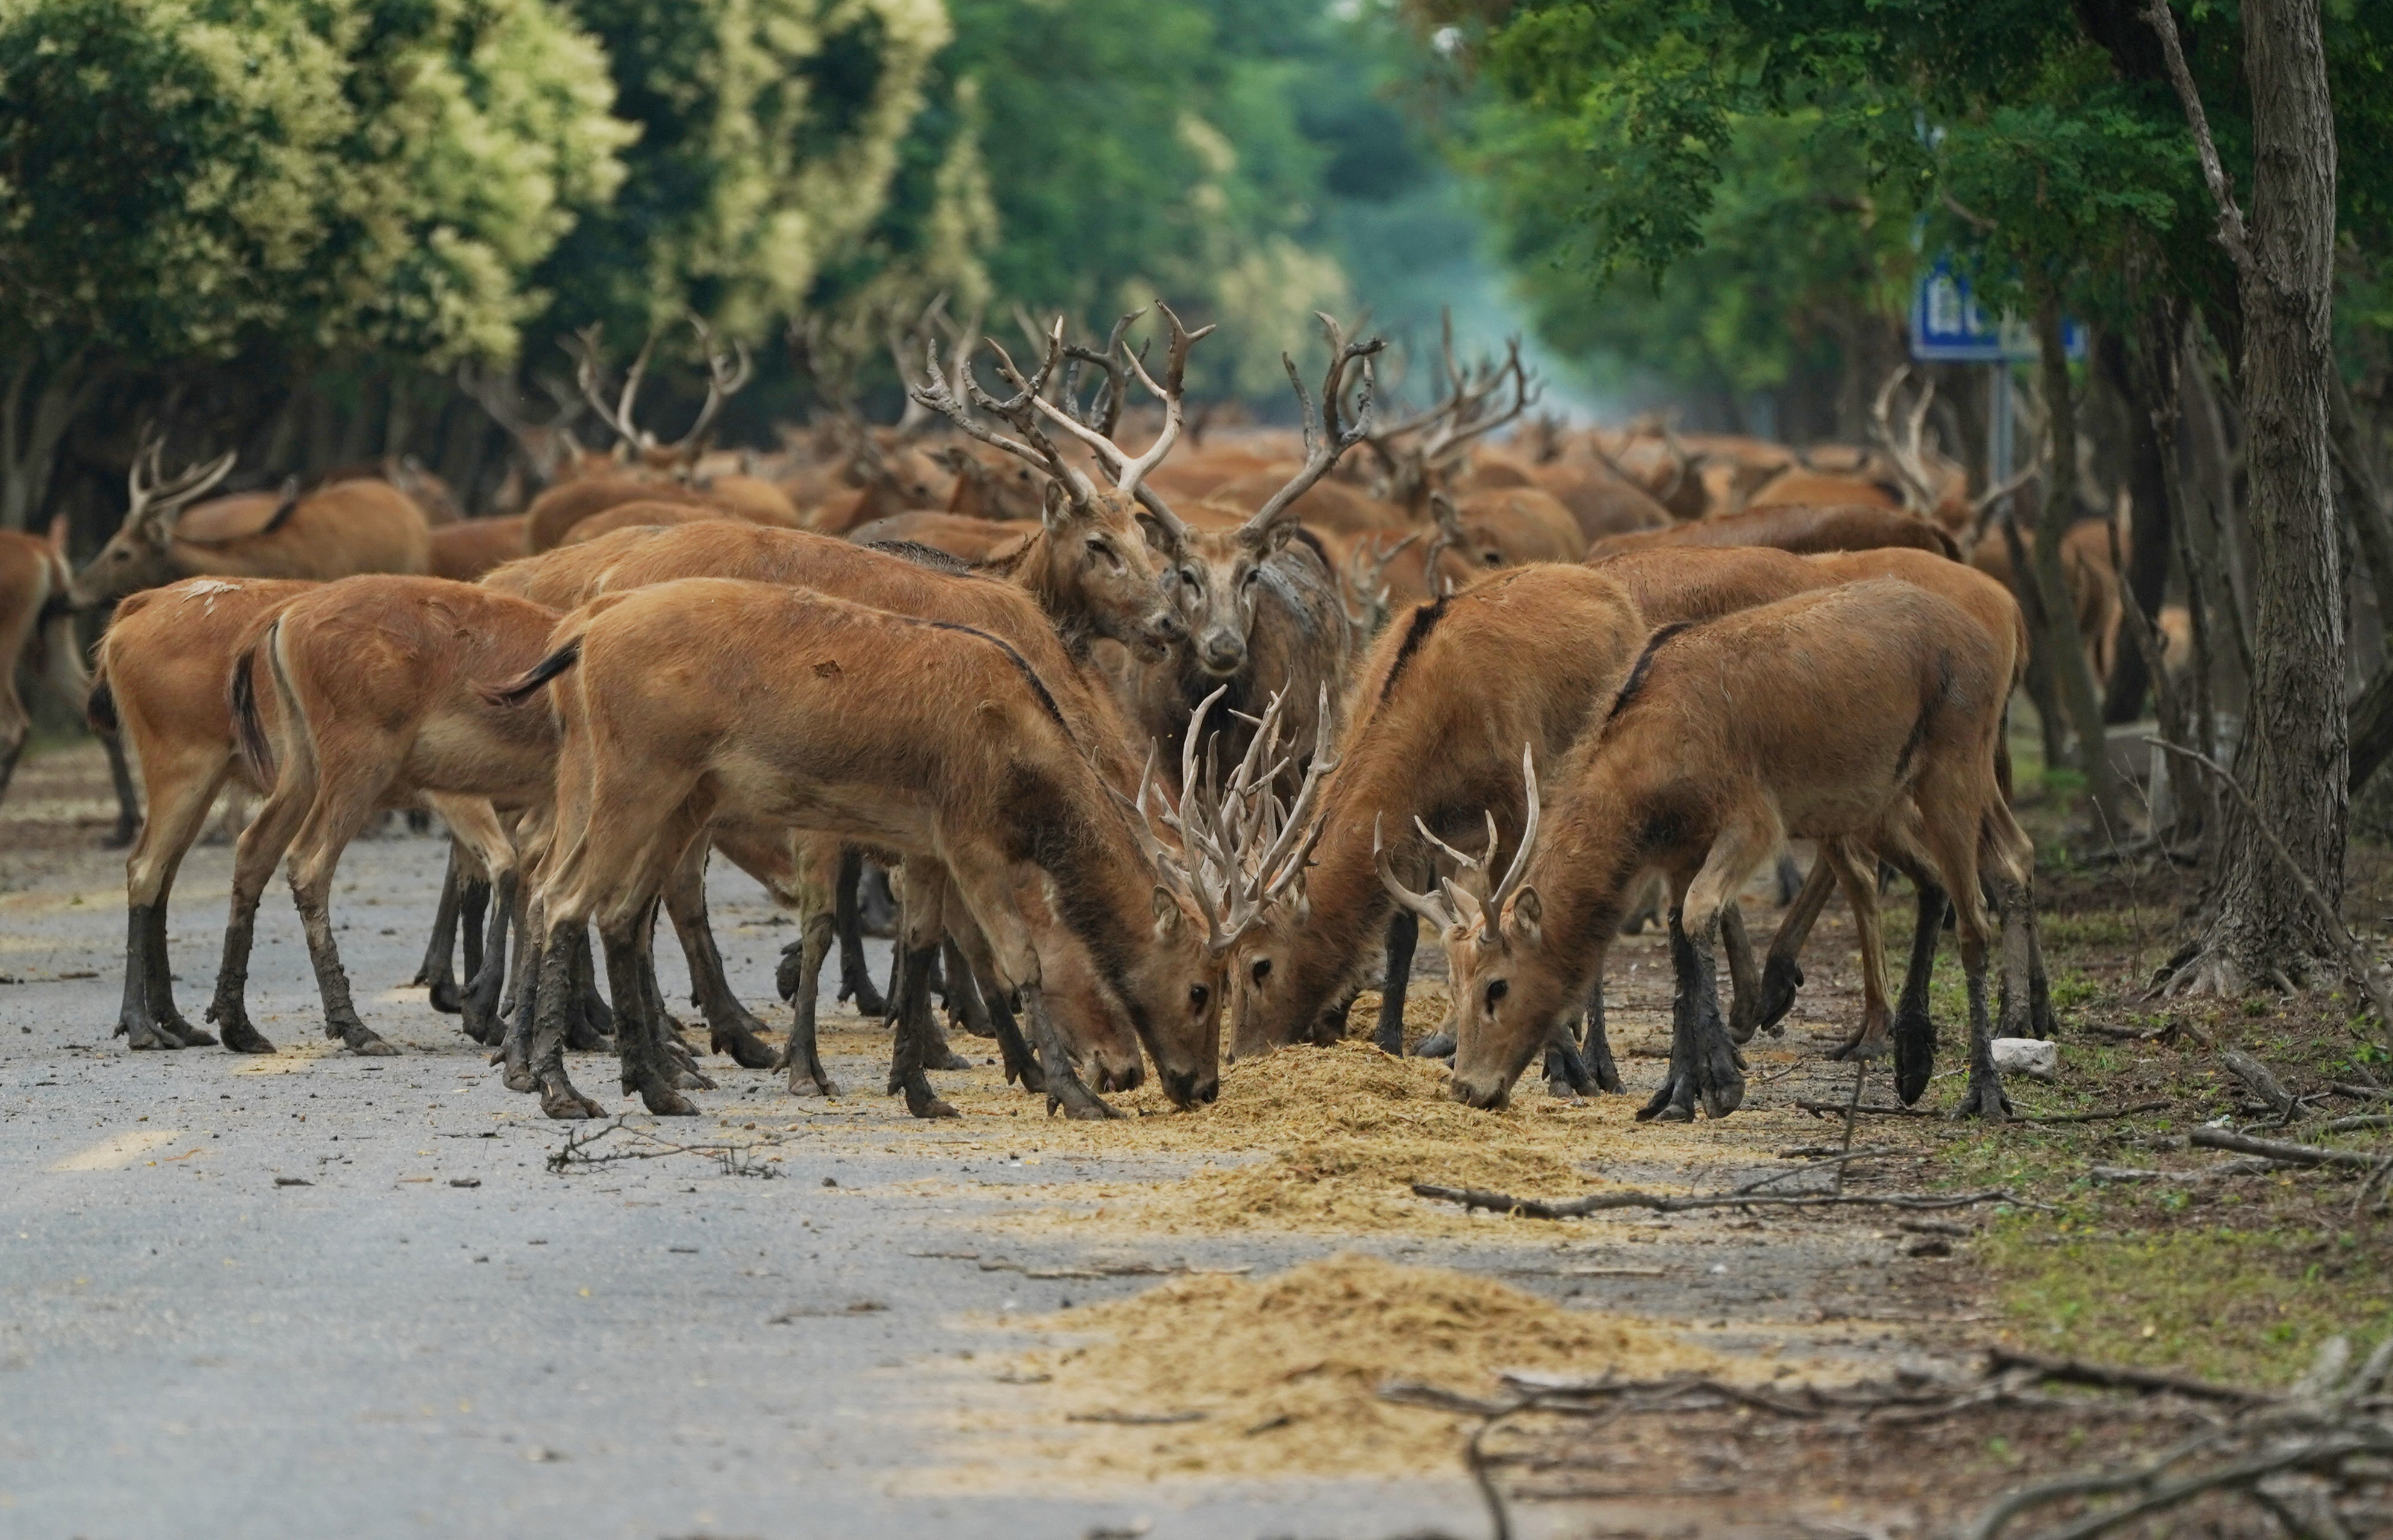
(2244, 1306)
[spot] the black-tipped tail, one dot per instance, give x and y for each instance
(99, 707)
(516, 691)
(256, 753)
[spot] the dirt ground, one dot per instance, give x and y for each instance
(1238, 1305)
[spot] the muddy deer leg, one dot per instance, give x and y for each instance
(2023, 976)
(1675, 1103)
(473, 907)
(128, 801)
(1745, 980)
(649, 1071)
(1782, 971)
(255, 855)
(1014, 1048)
(1567, 1073)
(801, 1055)
(480, 1003)
(666, 1031)
(312, 885)
(1914, 1029)
(438, 972)
(554, 1011)
(1404, 935)
(1065, 1089)
(515, 1049)
(1598, 1042)
(1984, 1097)
(916, 1039)
(593, 1029)
(1720, 1076)
(730, 1028)
(138, 1020)
(855, 970)
(967, 1010)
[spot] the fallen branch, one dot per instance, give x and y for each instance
(1660, 1203)
(735, 1160)
(2279, 1149)
(2074, 1371)
(2256, 1077)
(1839, 1109)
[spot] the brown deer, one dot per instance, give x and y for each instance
(377, 706)
(1865, 714)
(692, 701)
(1693, 584)
(1262, 611)
(34, 612)
(348, 526)
(163, 679)
(1428, 739)
(1797, 528)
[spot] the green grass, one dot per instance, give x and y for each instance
(2244, 1306)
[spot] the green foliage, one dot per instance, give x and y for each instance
(186, 179)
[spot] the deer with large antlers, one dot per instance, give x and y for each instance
(1864, 715)
(1262, 610)
(705, 699)
(334, 531)
(1430, 750)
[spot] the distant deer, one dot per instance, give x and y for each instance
(34, 583)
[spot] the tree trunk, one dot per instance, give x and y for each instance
(2146, 574)
(2293, 759)
(2064, 649)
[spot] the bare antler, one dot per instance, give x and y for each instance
(1454, 910)
(1020, 411)
(1436, 910)
(147, 497)
(1447, 516)
(726, 375)
(1905, 451)
(1321, 449)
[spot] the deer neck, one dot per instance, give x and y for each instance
(1036, 569)
(1062, 821)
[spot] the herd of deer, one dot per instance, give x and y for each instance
(1143, 737)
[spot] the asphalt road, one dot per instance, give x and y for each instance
(435, 1335)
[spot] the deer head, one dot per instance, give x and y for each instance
(140, 554)
(1217, 576)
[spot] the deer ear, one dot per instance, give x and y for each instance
(1167, 912)
(1524, 915)
(1056, 507)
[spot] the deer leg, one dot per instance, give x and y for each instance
(1063, 1083)
(1566, 1071)
(667, 1030)
(967, 1010)
(1704, 1061)
(554, 1005)
(855, 970)
(1984, 1097)
(1782, 972)
(314, 860)
(1745, 980)
(912, 1052)
(473, 911)
(438, 973)
(1404, 935)
(1789, 877)
(1914, 1029)
(1598, 1042)
(479, 1005)
(639, 1026)
(980, 960)
(128, 805)
(1858, 877)
(594, 1028)
(479, 842)
(515, 1049)
(800, 1055)
(148, 1014)
(255, 855)
(730, 1028)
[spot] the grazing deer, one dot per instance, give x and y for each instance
(692, 701)
(1429, 747)
(1695, 584)
(34, 612)
(1864, 715)
(164, 682)
(335, 531)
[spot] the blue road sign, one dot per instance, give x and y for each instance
(1948, 327)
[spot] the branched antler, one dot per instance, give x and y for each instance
(1322, 448)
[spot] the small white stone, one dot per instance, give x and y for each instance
(2027, 1056)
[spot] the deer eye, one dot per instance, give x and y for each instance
(1199, 995)
(1497, 990)
(1262, 969)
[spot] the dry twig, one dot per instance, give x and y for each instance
(1660, 1203)
(734, 1159)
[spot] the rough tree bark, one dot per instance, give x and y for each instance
(2256, 924)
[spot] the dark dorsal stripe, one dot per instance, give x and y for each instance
(1636, 681)
(1425, 619)
(1038, 685)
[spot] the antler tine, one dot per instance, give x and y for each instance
(1467, 863)
(1322, 452)
(1116, 383)
(1023, 408)
(1274, 874)
(1468, 422)
(1175, 367)
(1519, 870)
(935, 392)
(1436, 911)
(1908, 467)
(725, 379)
